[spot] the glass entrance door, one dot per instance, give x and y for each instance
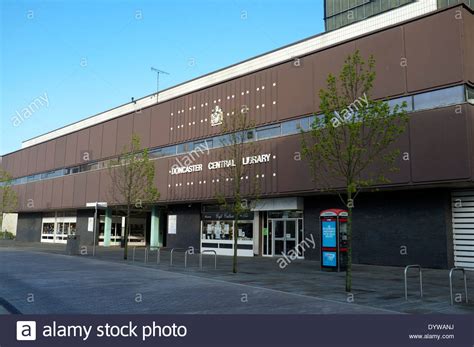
(285, 236)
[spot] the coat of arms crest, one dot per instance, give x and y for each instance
(217, 116)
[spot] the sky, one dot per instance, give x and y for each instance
(77, 58)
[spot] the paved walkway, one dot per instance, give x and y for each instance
(108, 284)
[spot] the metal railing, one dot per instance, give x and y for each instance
(158, 254)
(188, 251)
(421, 279)
(145, 260)
(208, 251)
(451, 282)
(175, 249)
(134, 252)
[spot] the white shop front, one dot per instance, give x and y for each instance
(218, 230)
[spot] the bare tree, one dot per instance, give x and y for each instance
(239, 186)
(352, 145)
(132, 182)
(8, 197)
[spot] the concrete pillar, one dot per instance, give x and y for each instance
(155, 237)
(107, 227)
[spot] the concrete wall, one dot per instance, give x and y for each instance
(188, 227)
(393, 228)
(29, 227)
(81, 226)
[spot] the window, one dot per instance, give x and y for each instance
(249, 135)
(72, 170)
(203, 144)
(400, 101)
(470, 94)
(221, 141)
(295, 126)
(439, 98)
(162, 152)
(52, 174)
(268, 132)
(185, 147)
(33, 178)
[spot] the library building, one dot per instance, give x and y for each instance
(427, 207)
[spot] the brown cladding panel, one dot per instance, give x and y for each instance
(80, 187)
(468, 44)
(10, 163)
(470, 115)
(57, 195)
(16, 189)
(47, 196)
(206, 112)
(109, 138)
(41, 158)
(68, 191)
(402, 168)
(161, 178)
(6, 163)
(188, 116)
(326, 62)
(92, 186)
(24, 161)
(38, 197)
(60, 152)
(21, 195)
(141, 127)
(82, 149)
(439, 145)
(387, 49)
(16, 169)
(50, 155)
(32, 157)
(433, 51)
(29, 202)
(124, 133)
(105, 192)
(292, 174)
(160, 124)
(95, 142)
(71, 148)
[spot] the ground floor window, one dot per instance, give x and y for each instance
(57, 226)
(218, 230)
(118, 225)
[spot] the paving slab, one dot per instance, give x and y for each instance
(377, 287)
(47, 283)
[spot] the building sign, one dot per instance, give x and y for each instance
(172, 224)
(226, 216)
(90, 224)
(221, 164)
(177, 170)
(329, 234)
(217, 116)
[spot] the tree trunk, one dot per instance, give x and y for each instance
(127, 232)
(349, 242)
(234, 260)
